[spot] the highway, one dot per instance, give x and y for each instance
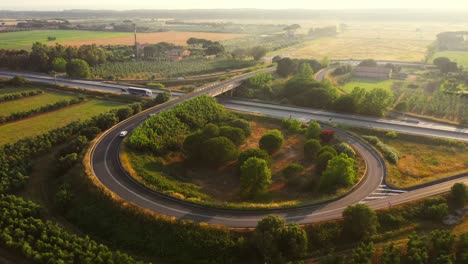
(106, 166)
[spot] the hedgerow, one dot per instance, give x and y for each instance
(18, 95)
(390, 153)
(43, 109)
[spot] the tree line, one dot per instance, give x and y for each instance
(303, 90)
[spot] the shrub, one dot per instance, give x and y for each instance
(292, 125)
(359, 221)
(257, 153)
(292, 170)
(416, 251)
(313, 130)
(219, 150)
(322, 161)
(327, 149)
(271, 141)
(311, 149)
(162, 97)
(390, 153)
(327, 135)
(18, 80)
(156, 85)
(435, 209)
(255, 177)
(346, 149)
(458, 195)
(14, 96)
(78, 68)
(339, 172)
(236, 135)
(242, 124)
(391, 134)
(278, 242)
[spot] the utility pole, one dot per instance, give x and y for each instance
(136, 45)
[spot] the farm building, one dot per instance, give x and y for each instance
(178, 54)
(372, 72)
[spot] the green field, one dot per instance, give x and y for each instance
(25, 39)
(33, 102)
(12, 132)
(366, 84)
(461, 57)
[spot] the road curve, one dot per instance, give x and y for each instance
(107, 168)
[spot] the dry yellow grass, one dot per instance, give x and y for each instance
(382, 41)
(421, 163)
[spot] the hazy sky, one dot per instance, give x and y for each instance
(202, 4)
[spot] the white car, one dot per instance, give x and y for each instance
(123, 133)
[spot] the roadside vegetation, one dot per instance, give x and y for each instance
(414, 160)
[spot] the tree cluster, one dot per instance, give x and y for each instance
(168, 130)
(23, 230)
(214, 145)
(278, 242)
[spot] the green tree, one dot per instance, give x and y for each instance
(363, 254)
(377, 101)
(219, 150)
(67, 161)
(266, 236)
(322, 161)
(458, 194)
(193, 145)
(292, 125)
(292, 170)
(339, 172)
(255, 176)
(271, 141)
(305, 71)
(258, 52)
(78, 68)
(463, 248)
(257, 153)
(105, 121)
(313, 130)
(311, 149)
(242, 124)
(236, 135)
(278, 242)
(39, 57)
(359, 221)
(162, 97)
(293, 242)
(391, 254)
(286, 67)
(124, 113)
(90, 132)
(59, 64)
(416, 251)
(442, 243)
(345, 148)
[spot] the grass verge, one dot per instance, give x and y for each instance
(40, 124)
